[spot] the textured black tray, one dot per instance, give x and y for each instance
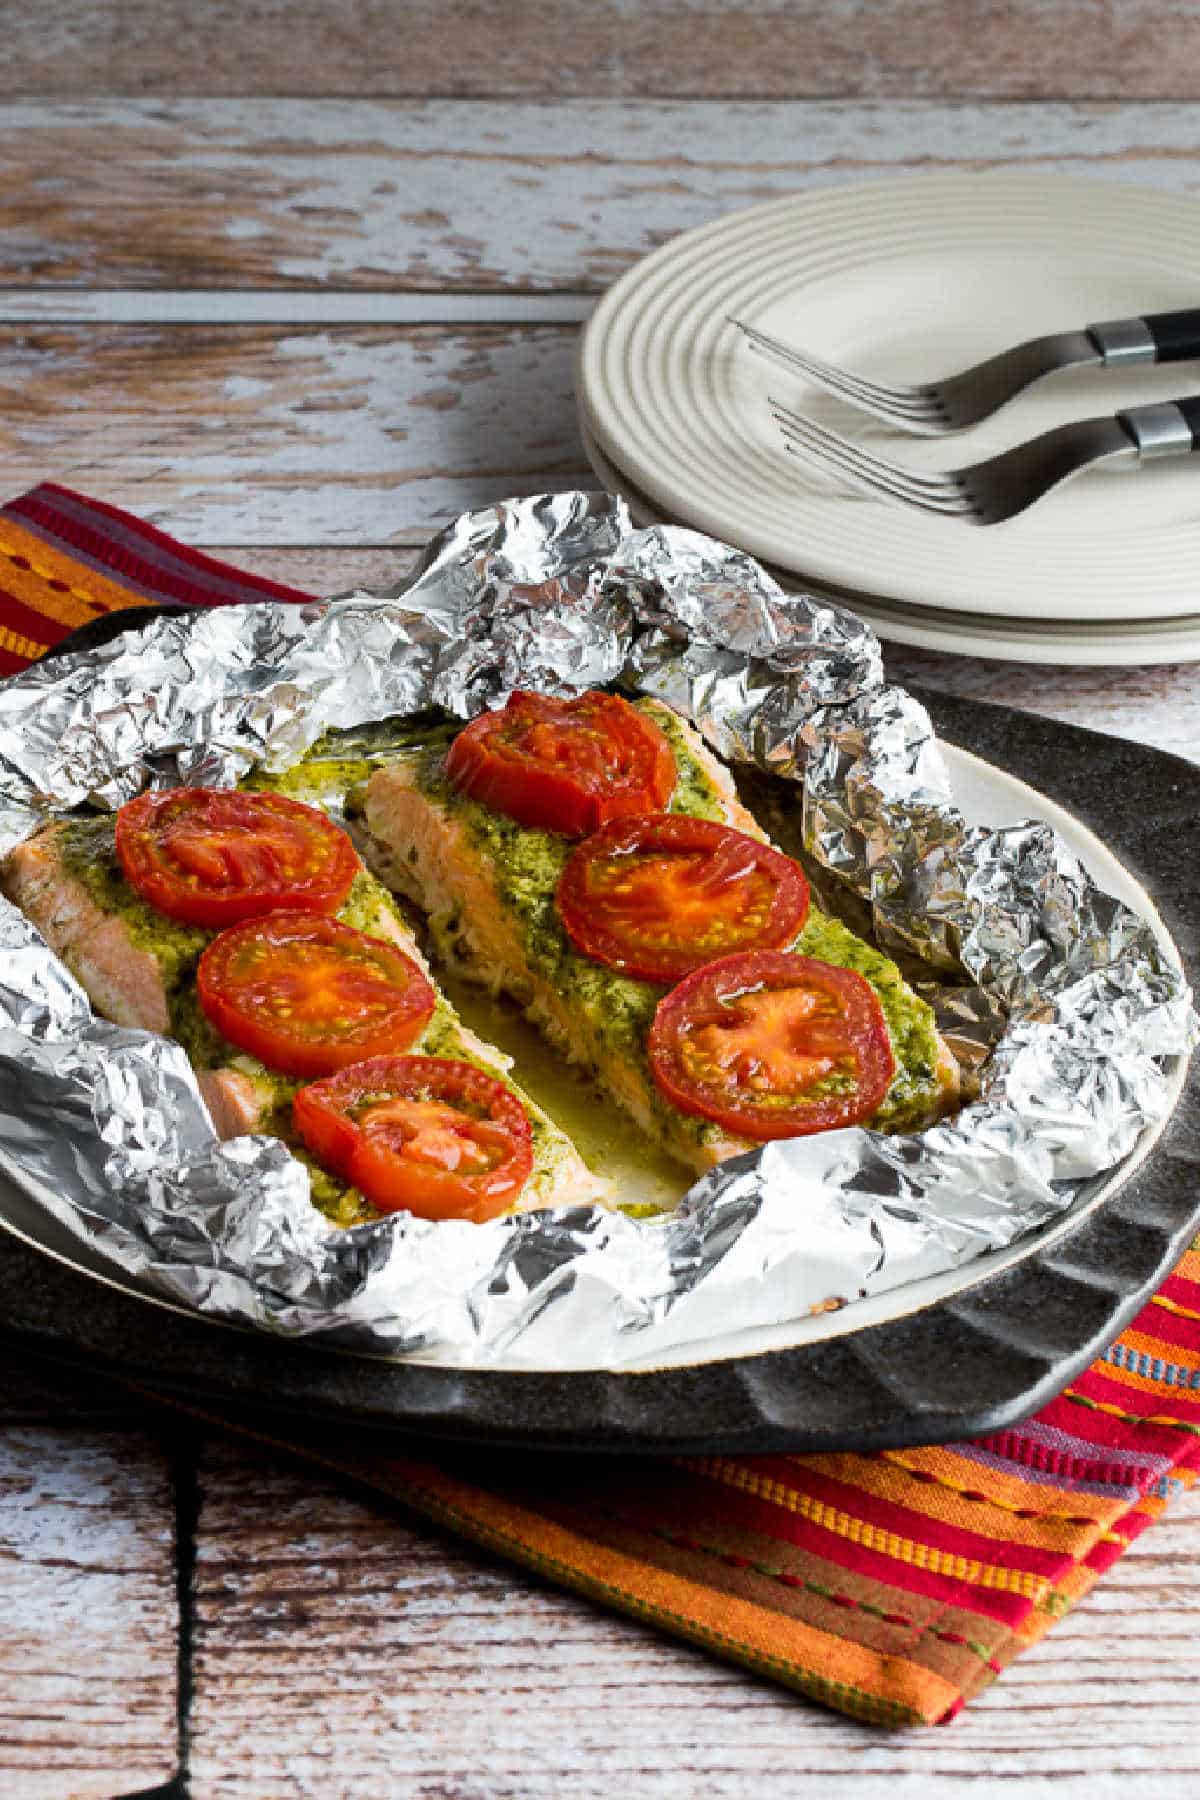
(986, 1357)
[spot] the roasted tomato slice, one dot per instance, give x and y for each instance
(213, 856)
(771, 1045)
(308, 995)
(421, 1134)
(661, 895)
(564, 765)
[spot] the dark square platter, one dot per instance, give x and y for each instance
(987, 1356)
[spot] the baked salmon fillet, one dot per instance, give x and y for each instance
(138, 969)
(487, 886)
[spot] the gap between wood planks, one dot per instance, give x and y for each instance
(287, 306)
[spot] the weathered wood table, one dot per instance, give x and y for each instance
(305, 332)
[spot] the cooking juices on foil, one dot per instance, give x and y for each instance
(1066, 999)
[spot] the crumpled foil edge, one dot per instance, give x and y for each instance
(1071, 1005)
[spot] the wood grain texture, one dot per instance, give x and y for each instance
(342, 1649)
(1073, 48)
(477, 197)
(1151, 705)
(339, 1647)
(228, 434)
(87, 1614)
(237, 436)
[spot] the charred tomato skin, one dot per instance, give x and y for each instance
(659, 895)
(564, 766)
(429, 1135)
(308, 995)
(216, 856)
(768, 1045)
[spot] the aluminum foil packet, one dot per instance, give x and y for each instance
(1074, 1008)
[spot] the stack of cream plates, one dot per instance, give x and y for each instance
(905, 281)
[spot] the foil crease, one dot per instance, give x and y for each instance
(1068, 1004)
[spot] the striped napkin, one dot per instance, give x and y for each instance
(893, 1586)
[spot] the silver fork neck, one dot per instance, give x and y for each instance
(1124, 341)
(1159, 430)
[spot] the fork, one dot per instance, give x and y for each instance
(987, 492)
(959, 401)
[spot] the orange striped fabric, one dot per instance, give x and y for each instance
(893, 1586)
(66, 560)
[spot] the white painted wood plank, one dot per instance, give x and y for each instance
(477, 196)
(1151, 705)
(342, 1648)
(257, 436)
(281, 435)
(87, 1614)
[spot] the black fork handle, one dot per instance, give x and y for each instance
(1190, 408)
(1154, 338)
(1176, 334)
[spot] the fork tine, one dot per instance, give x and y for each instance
(926, 418)
(871, 484)
(912, 402)
(941, 496)
(806, 360)
(908, 411)
(892, 402)
(948, 500)
(932, 482)
(940, 506)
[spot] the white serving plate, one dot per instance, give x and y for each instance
(987, 796)
(1131, 643)
(905, 280)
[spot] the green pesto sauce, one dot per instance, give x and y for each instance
(620, 1008)
(334, 771)
(694, 793)
(378, 740)
(89, 854)
(910, 1022)
(528, 865)
(330, 782)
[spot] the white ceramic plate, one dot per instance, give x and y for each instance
(987, 796)
(906, 280)
(1122, 644)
